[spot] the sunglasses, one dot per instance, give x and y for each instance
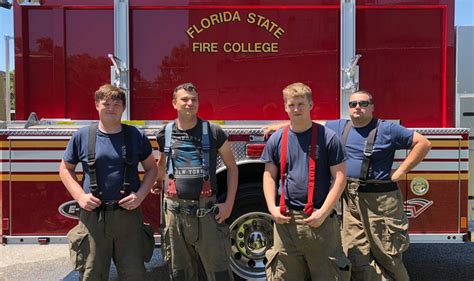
(361, 103)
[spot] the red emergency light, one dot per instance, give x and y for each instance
(255, 150)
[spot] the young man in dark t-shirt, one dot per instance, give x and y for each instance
(195, 229)
(307, 241)
(111, 223)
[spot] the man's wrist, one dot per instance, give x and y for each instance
(78, 195)
(139, 194)
(401, 171)
(229, 202)
(274, 208)
(325, 212)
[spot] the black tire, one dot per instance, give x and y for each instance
(249, 198)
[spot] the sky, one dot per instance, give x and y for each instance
(464, 15)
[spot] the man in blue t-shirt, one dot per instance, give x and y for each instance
(310, 162)
(111, 223)
(375, 226)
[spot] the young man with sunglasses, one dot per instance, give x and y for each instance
(195, 229)
(309, 161)
(375, 226)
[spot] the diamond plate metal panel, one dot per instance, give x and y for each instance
(243, 131)
(442, 131)
(151, 132)
(239, 150)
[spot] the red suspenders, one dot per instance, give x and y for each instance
(284, 140)
(308, 209)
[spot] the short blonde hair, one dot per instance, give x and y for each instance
(297, 89)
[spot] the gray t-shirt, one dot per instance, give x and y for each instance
(329, 152)
(187, 158)
(110, 159)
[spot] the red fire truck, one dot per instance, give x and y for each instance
(240, 55)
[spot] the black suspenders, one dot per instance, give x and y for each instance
(128, 159)
(91, 160)
(368, 149)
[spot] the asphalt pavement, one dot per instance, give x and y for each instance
(51, 262)
(425, 262)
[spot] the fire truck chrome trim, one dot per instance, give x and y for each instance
(52, 239)
(437, 238)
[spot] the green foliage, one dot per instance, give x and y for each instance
(12, 89)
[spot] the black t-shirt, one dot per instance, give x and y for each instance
(187, 158)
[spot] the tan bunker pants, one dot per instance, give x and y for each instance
(374, 234)
(300, 251)
(188, 239)
(118, 236)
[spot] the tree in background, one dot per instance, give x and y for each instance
(12, 89)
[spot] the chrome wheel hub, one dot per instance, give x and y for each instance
(251, 235)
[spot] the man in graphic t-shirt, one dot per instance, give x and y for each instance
(195, 229)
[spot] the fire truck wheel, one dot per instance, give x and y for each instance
(251, 232)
